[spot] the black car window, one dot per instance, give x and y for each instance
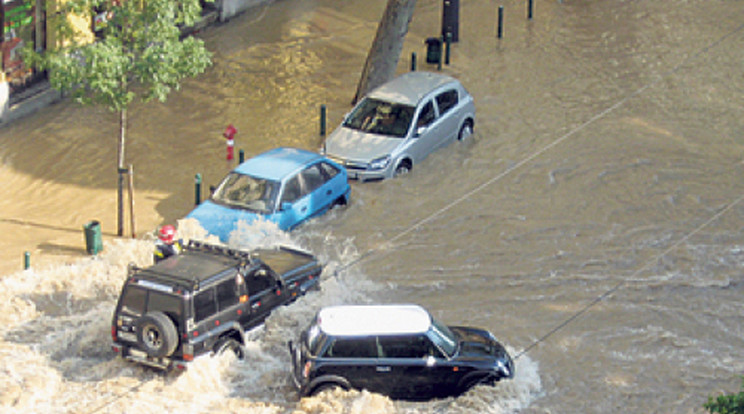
(427, 115)
(312, 176)
(168, 304)
(329, 170)
(446, 100)
(204, 305)
(227, 294)
(365, 347)
(259, 280)
(292, 190)
(133, 301)
(409, 346)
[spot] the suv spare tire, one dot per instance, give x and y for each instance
(156, 334)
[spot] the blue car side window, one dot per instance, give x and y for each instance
(292, 190)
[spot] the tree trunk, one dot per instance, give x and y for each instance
(121, 171)
(384, 54)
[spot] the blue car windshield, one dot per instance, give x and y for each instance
(380, 117)
(246, 192)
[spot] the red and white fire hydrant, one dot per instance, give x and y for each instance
(229, 134)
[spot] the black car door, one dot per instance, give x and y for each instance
(416, 365)
(264, 293)
(355, 359)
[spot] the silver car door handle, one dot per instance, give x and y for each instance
(383, 369)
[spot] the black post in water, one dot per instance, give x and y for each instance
(448, 40)
(413, 61)
(322, 120)
(501, 22)
(451, 18)
(530, 6)
(241, 156)
(197, 189)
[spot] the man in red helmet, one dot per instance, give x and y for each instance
(167, 245)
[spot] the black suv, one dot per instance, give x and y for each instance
(203, 300)
(396, 350)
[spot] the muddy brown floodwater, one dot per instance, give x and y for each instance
(593, 222)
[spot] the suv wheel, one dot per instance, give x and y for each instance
(230, 345)
(156, 334)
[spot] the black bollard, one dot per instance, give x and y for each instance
(322, 120)
(413, 61)
(241, 156)
(26, 260)
(197, 189)
(530, 6)
(448, 41)
(501, 22)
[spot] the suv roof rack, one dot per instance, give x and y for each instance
(244, 258)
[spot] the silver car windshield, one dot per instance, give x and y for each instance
(380, 117)
(246, 192)
(443, 337)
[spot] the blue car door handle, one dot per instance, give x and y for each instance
(383, 369)
(328, 192)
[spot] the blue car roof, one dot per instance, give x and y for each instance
(277, 163)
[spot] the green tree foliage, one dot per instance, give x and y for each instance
(141, 53)
(727, 404)
(141, 43)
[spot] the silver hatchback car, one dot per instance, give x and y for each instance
(400, 123)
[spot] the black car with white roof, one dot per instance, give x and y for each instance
(397, 350)
(204, 300)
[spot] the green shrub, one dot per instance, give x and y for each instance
(727, 404)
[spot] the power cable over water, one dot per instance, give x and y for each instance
(386, 246)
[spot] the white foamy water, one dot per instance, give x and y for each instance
(56, 353)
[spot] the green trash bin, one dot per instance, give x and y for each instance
(433, 50)
(93, 241)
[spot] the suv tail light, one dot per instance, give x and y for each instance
(306, 370)
(113, 333)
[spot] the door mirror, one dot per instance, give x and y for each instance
(431, 361)
(286, 205)
(420, 131)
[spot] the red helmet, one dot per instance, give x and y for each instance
(167, 233)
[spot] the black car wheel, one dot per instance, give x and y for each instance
(403, 168)
(466, 131)
(327, 386)
(156, 334)
(230, 345)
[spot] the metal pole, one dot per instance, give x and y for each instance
(322, 120)
(26, 260)
(439, 63)
(448, 41)
(197, 189)
(241, 156)
(530, 6)
(501, 22)
(413, 61)
(130, 176)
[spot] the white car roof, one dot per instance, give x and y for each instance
(358, 320)
(411, 87)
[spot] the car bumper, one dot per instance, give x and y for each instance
(140, 357)
(367, 175)
(296, 371)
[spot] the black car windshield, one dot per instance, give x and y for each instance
(246, 192)
(441, 335)
(380, 117)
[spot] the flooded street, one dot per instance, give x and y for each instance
(593, 223)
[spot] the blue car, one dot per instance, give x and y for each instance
(285, 185)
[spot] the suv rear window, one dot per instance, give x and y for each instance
(138, 301)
